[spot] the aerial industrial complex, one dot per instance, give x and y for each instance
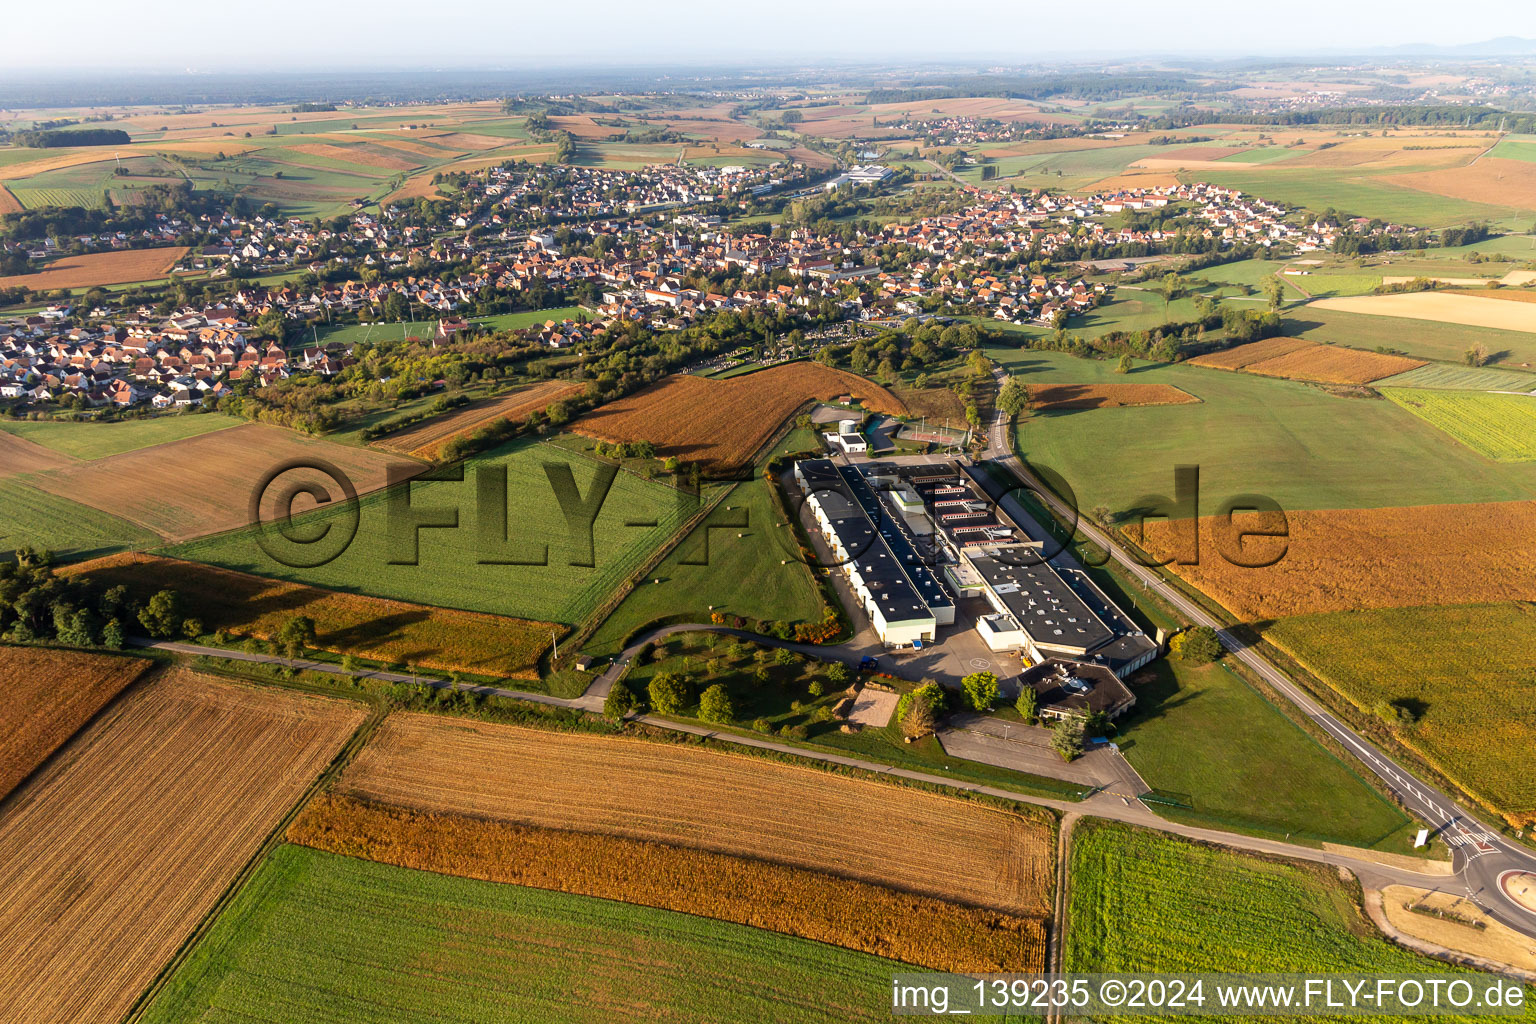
(917, 541)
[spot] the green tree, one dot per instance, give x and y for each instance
(1028, 704)
(161, 617)
(1067, 738)
(1012, 397)
(715, 705)
(620, 701)
(1126, 364)
(112, 635)
(1198, 645)
(837, 674)
(295, 635)
(668, 692)
(980, 690)
(1171, 287)
(918, 711)
(1274, 291)
(816, 689)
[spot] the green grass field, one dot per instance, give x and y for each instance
(1251, 767)
(1510, 150)
(1461, 378)
(1296, 443)
(319, 937)
(1466, 669)
(87, 440)
(1141, 901)
(1363, 195)
(635, 518)
(34, 518)
(1423, 339)
(1502, 427)
(1264, 155)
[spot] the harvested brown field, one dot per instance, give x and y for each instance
(369, 627)
(1367, 558)
(839, 911)
(1239, 356)
(8, 202)
(118, 267)
(356, 155)
(799, 817)
(1334, 364)
(113, 853)
(203, 484)
(465, 141)
(57, 162)
(723, 423)
(1443, 307)
(1047, 397)
(49, 696)
(424, 439)
(1504, 294)
(18, 455)
(1495, 180)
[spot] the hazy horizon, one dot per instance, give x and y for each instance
(176, 36)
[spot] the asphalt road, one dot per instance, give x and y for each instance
(1480, 855)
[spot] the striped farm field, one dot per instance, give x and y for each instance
(1363, 558)
(1048, 397)
(723, 423)
(1142, 901)
(1333, 364)
(38, 198)
(159, 804)
(1502, 427)
(424, 439)
(120, 266)
(1461, 378)
(809, 904)
(49, 695)
(370, 627)
(315, 937)
(726, 803)
(1239, 356)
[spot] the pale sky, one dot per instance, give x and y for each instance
(333, 35)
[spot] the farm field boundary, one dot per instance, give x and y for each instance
(371, 627)
(839, 911)
(160, 803)
(1502, 427)
(710, 800)
(49, 696)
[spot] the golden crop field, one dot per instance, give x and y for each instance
(1333, 364)
(120, 266)
(1366, 558)
(424, 439)
(8, 202)
(370, 627)
(1047, 397)
(840, 911)
(727, 803)
(1441, 307)
(114, 853)
(1447, 663)
(723, 423)
(1239, 356)
(203, 484)
(49, 696)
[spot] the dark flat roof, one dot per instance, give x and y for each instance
(1051, 612)
(1070, 686)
